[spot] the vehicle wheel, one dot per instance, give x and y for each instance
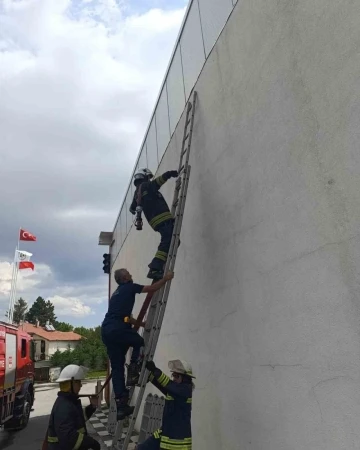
(16, 424)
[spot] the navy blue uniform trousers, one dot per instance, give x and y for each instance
(117, 342)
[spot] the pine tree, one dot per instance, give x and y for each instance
(20, 309)
(42, 311)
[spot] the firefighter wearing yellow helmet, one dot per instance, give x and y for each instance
(67, 423)
(175, 432)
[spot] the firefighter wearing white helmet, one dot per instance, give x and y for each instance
(67, 423)
(148, 199)
(175, 432)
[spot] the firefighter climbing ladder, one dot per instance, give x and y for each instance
(159, 299)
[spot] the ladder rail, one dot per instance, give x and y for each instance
(155, 331)
(167, 289)
(157, 307)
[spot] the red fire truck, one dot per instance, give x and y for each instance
(16, 377)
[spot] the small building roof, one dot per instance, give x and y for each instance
(50, 335)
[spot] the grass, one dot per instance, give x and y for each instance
(96, 374)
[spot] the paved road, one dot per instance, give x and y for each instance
(32, 436)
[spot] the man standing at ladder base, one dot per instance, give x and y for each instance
(118, 336)
(157, 213)
(175, 432)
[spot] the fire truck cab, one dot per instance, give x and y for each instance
(16, 377)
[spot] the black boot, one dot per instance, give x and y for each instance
(155, 274)
(122, 408)
(133, 374)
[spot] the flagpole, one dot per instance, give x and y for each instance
(15, 274)
(12, 287)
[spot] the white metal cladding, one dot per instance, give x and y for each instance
(175, 88)
(151, 145)
(129, 216)
(214, 14)
(142, 162)
(192, 48)
(162, 123)
(10, 360)
(203, 22)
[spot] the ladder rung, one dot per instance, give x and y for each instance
(158, 304)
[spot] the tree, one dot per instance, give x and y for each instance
(89, 352)
(42, 311)
(62, 326)
(20, 309)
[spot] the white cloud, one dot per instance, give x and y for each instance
(70, 307)
(78, 81)
(26, 279)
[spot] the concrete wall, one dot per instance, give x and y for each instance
(265, 300)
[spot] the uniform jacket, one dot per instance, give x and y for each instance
(67, 428)
(175, 433)
(154, 205)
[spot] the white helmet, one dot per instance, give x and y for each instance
(181, 366)
(72, 372)
(142, 174)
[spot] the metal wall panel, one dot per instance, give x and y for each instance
(214, 14)
(123, 226)
(118, 236)
(192, 48)
(175, 88)
(162, 123)
(151, 146)
(143, 162)
(129, 216)
(234, 2)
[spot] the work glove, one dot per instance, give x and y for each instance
(150, 365)
(132, 211)
(174, 173)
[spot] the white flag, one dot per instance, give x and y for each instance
(22, 256)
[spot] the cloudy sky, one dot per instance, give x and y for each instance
(78, 82)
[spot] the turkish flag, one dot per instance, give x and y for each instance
(26, 265)
(26, 236)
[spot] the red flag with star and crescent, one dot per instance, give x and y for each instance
(26, 236)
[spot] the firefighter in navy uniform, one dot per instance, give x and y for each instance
(118, 336)
(67, 427)
(175, 432)
(148, 198)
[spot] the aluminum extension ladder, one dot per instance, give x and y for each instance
(159, 300)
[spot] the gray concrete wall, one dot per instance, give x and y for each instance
(265, 300)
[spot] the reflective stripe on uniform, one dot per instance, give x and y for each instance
(169, 398)
(144, 193)
(161, 255)
(160, 180)
(81, 431)
(164, 380)
(157, 434)
(79, 441)
(175, 444)
(157, 220)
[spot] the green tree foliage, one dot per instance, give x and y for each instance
(90, 351)
(42, 311)
(20, 309)
(62, 326)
